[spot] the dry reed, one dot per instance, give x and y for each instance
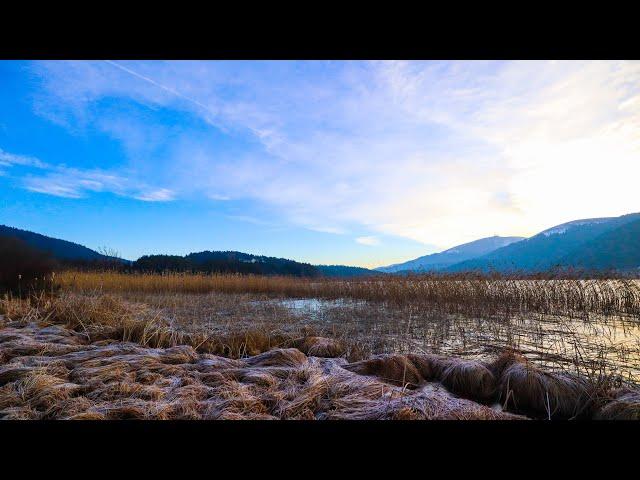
(470, 294)
(99, 356)
(123, 380)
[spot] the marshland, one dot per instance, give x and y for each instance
(110, 345)
(417, 240)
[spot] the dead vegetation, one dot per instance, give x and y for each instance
(525, 388)
(105, 318)
(554, 322)
(624, 406)
(62, 375)
(509, 380)
(469, 294)
(53, 372)
(242, 356)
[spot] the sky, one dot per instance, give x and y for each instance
(362, 163)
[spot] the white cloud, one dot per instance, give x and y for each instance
(370, 241)
(161, 195)
(52, 187)
(9, 159)
(250, 219)
(66, 182)
(216, 196)
(439, 152)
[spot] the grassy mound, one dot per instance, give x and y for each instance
(624, 406)
(55, 373)
(527, 389)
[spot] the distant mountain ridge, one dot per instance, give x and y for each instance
(344, 271)
(239, 262)
(608, 243)
(60, 249)
(618, 248)
(595, 243)
(225, 262)
(452, 256)
(210, 261)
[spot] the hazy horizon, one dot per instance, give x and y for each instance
(355, 163)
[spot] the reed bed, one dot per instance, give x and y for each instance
(107, 318)
(108, 345)
(582, 326)
(50, 370)
(470, 295)
(54, 366)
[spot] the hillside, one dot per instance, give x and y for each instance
(208, 261)
(548, 249)
(459, 253)
(344, 271)
(60, 249)
(238, 262)
(230, 261)
(590, 244)
(617, 249)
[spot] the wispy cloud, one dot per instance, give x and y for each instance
(369, 240)
(439, 152)
(250, 219)
(161, 195)
(52, 186)
(217, 196)
(66, 182)
(9, 159)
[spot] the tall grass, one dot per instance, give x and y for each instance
(463, 294)
(81, 356)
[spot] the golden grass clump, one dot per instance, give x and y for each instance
(624, 406)
(320, 346)
(470, 379)
(392, 368)
(467, 378)
(289, 357)
(524, 388)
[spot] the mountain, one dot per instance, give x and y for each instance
(460, 253)
(59, 249)
(559, 246)
(210, 261)
(230, 261)
(344, 271)
(617, 249)
(238, 262)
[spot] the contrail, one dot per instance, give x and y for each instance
(159, 85)
(172, 91)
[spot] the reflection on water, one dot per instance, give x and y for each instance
(593, 345)
(315, 305)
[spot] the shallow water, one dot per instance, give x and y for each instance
(314, 304)
(595, 345)
(591, 345)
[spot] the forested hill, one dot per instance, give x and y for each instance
(344, 271)
(617, 249)
(609, 243)
(59, 249)
(238, 262)
(77, 256)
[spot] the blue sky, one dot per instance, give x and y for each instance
(360, 163)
